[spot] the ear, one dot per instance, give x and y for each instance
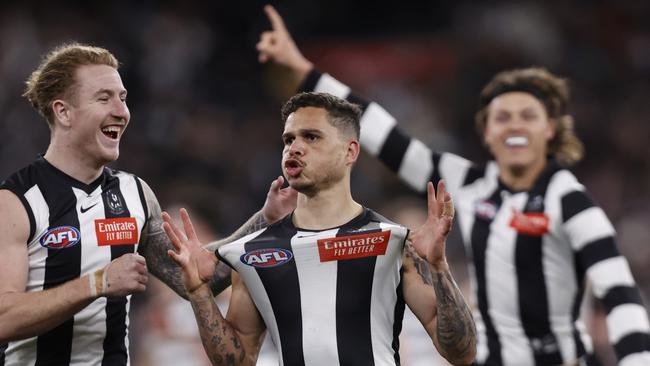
(552, 129)
(353, 151)
(61, 110)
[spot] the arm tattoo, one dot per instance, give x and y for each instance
(253, 224)
(154, 245)
(420, 264)
(219, 339)
(456, 330)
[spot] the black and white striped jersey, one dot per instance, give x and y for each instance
(532, 251)
(76, 229)
(329, 297)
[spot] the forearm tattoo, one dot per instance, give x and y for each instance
(220, 341)
(154, 246)
(456, 330)
(421, 266)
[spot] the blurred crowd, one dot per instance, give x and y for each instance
(205, 127)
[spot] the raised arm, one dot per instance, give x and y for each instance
(593, 240)
(429, 288)
(234, 340)
(412, 160)
(28, 314)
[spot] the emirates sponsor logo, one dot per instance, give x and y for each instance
(116, 231)
(353, 246)
(530, 223)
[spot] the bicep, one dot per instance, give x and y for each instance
(14, 231)
(244, 316)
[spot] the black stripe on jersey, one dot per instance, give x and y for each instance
(619, 295)
(632, 343)
(573, 203)
(353, 98)
(531, 284)
(310, 81)
(143, 200)
(394, 148)
(354, 279)
(115, 352)
(480, 234)
(17, 185)
(597, 251)
(286, 306)
(61, 265)
(3, 348)
(471, 175)
(577, 302)
(398, 315)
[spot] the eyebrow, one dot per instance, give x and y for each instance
(303, 131)
(109, 92)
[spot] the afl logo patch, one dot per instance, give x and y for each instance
(60, 237)
(265, 258)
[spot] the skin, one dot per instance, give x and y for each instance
(518, 114)
(317, 160)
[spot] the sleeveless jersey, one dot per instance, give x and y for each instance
(76, 229)
(329, 297)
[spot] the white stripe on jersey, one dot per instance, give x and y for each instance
(636, 359)
(382, 123)
(582, 231)
(625, 319)
(384, 296)
(317, 284)
(501, 281)
(332, 86)
(414, 170)
(608, 273)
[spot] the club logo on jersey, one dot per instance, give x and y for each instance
(530, 223)
(485, 210)
(353, 246)
(60, 237)
(265, 258)
(116, 231)
(114, 203)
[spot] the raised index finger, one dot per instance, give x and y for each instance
(274, 17)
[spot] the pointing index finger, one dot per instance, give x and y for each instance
(274, 17)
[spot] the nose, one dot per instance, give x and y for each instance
(296, 148)
(120, 110)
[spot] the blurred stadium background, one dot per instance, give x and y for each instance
(205, 127)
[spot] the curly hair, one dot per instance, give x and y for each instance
(549, 89)
(341, 114)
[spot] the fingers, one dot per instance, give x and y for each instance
(175, 257)
(432, 207)
(174, 233)
(274, 17)
(187, 224)
(276, 185)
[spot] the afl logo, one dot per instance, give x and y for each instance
(60, 237)
(264, 258)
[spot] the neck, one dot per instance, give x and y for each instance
(72, 162)
(522, 178)
(326, 209)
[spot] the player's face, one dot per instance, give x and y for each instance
(314, 155)
(99, 114)
(518, 130)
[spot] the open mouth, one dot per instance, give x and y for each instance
(112, 132)
(517, 141)
(293, 167)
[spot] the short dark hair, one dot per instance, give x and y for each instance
(341, 114)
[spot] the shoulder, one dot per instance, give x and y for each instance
(572, 195)
(14, 219)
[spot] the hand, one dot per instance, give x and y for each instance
(124, 276)
(278, 46)
(429, 240)
(197, 264)
(279, 202)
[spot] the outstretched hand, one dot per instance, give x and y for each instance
(279, 201)
(430, 239)
(278, 46)
(197, 264)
